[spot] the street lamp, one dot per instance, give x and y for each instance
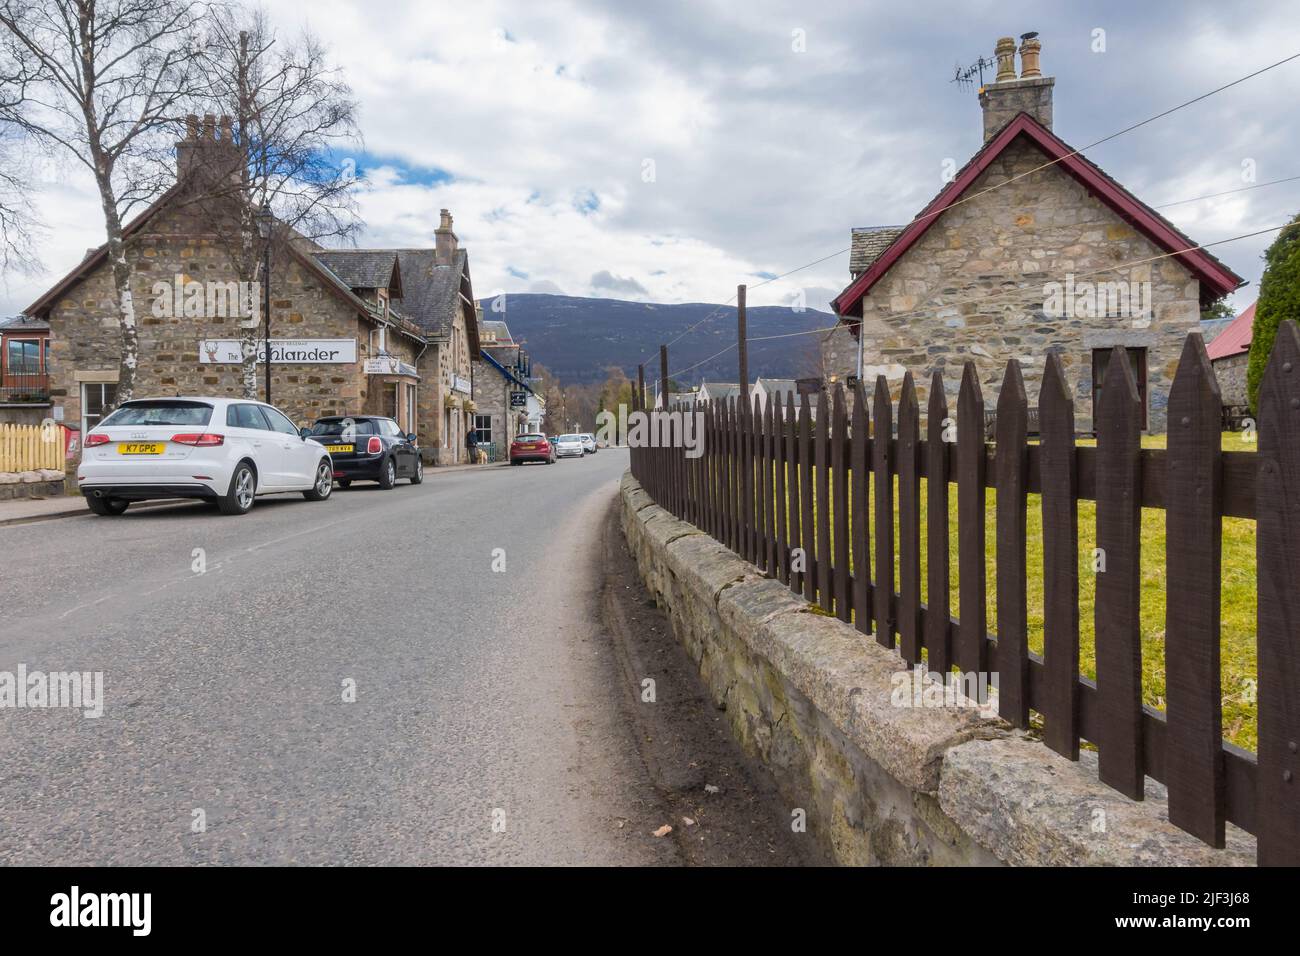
(265, 224)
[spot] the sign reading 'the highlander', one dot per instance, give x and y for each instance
(283, 351)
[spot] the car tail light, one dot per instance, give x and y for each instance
(374, 446)
(94, 439)
(204, 440)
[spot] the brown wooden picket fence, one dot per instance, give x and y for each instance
(754, 488)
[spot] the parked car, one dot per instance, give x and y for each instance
(227, 451)
(531, 448)
(368, 448)
(588, 443)
(570, 446)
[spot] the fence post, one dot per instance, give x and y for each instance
(793, 459)
(1012, 466)
(1193, 543)
(840, 509)
(807, 533)
(823, 427)
(1278, 552)
(972, 613)
(858, 456)
(1119, 525)
(1060, 483)
(882, 432)
(909, 523)
(937, 610)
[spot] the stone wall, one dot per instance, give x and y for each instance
(884, 783)
(1231, 373)
(934, 307)
(492, 398)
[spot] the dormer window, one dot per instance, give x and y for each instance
(383, 302)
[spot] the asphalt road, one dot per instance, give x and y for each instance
(484, 728)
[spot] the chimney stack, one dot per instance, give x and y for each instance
(1009, 95)
(205, 155)
(445, 242)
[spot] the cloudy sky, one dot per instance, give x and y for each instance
(668, 150)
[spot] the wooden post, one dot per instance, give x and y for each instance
(840, 513)
(972, 609)
(858, 458)
(1012, 467)
(742, 345)
(909, 522)
(937, 642)
(882, 432)
(1117, 622)
(1060, 483)
(1193, 555)
(663, 376)
(1278, 555)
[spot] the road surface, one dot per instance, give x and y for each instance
(345, 682)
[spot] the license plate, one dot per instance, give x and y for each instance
(337, 449)
(140, 448)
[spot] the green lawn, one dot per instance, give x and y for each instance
(1238, 594)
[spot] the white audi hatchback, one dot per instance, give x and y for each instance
(223, 450)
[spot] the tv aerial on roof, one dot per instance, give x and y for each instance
(965, 76)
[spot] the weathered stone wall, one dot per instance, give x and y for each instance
(85, 343)
(935, 308)
(492, 398)
(1231, 373)
(882, 783)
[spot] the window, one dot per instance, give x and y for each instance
(410, 408)
(390, 428)
(246, 416)
(95, 398)
(483, 425)
(23, 357)
(161, 412)
(1137, 358)
(339, 426)
(277, 421)
(390, 398)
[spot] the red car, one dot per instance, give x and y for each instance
(531, 448)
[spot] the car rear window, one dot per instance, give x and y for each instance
(335, 426)
(570, 438)
(161, 412)
(530, 438)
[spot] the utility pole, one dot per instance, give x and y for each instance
(663, 376)
(640, 386)
(742, 346)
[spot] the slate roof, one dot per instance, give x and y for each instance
(1215, 277)
(721, 389)
(431, 293)
(23, 323)
(1235, 339)
(495, 332)
(364, 268)
(867, 245)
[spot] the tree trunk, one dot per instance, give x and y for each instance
(130, 358)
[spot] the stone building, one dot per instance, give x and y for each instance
(352, 332)
(506, 403)
(1030, 248)
(24, 384)
(1230, 355)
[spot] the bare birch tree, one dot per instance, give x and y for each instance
(291, 113)
(103, 81)
(17, 218)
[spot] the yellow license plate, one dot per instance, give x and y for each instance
(140, 448)
(336, 449)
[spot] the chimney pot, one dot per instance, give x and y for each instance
(227, 134)
(209, 126)
(1029, 53)
(1006, 54)
(192, 126)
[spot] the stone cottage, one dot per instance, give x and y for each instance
(1030, 248)
(342, 341)
(1230, 355)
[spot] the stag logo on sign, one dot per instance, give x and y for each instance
(1088, 300)
(73, 909)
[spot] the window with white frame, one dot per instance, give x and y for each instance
(483, 426)
(96, 398)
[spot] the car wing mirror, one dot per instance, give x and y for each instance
(304, 432)
(410, 436)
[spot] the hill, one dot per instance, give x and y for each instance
(578, 339)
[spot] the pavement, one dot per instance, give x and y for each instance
(415, 676)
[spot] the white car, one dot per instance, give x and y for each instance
(223, 450)
(588, 443)
(569, 446)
